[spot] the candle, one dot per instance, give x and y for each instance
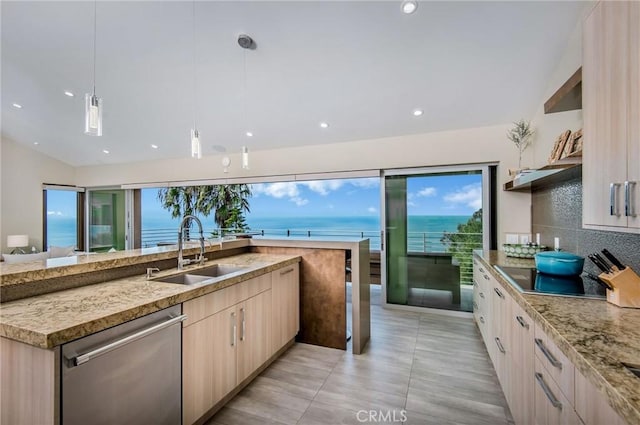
(556, 243)
(537, 238)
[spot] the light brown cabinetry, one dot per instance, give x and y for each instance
(285, 294)
(226, 337)
(500, 335)
(591, 406)
(480, 300)
(550, 404)
(611, 108)
(521, 375)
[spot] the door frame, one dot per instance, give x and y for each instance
(486, 223)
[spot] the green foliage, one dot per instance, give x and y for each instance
(462, 243)
(227, 202)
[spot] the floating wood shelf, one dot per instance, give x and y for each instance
(562, 170)
(568, 97)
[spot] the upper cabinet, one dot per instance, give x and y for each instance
(611, 111)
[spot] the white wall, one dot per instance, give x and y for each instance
(548, 127)
(23, 172)
(476, 145)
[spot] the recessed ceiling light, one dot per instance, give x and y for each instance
(409, 6)
(17, 105)
(68, 93)
(36, 143)
(324, 125)
(417, 112)
(154, 146)
(249, 134)
(105, 151)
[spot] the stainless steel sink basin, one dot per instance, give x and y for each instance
(205, 275)
(217, 270)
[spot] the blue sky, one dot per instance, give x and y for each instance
(433, 195)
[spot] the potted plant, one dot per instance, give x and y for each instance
(520, 135)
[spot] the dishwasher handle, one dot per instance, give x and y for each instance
(83, 358)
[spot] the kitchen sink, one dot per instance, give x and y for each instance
(217, 270)
(205, 275)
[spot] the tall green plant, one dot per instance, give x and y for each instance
(462, 243)
(227, 202)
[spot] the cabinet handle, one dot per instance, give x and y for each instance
(233, 329)
(629, 209)
(286, 271)
(486, 277)
(499, 344)
(475, 262)
(242, 328)
(482, 319)
(554, 362)
(475, 283)
(481, 269)
(522, 322)
(475, 306)
(613, 205)
(547, 391)
(497, 291)
(481, 294)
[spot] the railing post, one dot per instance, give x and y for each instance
(424, 242)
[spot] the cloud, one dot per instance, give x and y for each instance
(299, 201)
(469, 195)
(54, 213)
(323, 187)
(277, 190)
(372, 209)
(427, 191)
(364, 183)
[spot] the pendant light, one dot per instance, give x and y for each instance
(93, 103)
(196, 146)
(246, 43)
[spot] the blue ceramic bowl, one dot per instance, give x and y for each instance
(559, 263)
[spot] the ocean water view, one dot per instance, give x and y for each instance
(425, 231)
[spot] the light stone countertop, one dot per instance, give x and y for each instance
(52, 319)
(594, 334)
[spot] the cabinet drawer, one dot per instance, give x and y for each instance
(558, 366)
(206, 305)
(551, 406)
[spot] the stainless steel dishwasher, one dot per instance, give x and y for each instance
(128, 374)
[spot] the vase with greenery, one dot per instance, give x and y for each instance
(520, 135)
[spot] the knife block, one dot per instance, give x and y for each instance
(626, 288)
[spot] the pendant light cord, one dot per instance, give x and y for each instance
(95, 30)
(244, 87)
(195, 101)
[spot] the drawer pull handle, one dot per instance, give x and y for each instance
(629, 209)
(286, 271)
(481, 294)
(242, 328)
(497, 291)
(547, 391)
(481, 269)
(475, 306)
(475, 262)
(522, 322)
(482, 319)
(486, 277)
(500, 347)
(554, 362)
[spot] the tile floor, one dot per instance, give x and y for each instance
(425, 368)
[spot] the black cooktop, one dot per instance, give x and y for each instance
(529, 280)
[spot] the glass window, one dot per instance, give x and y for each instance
(61, 226)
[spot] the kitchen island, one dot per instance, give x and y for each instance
(60, 300)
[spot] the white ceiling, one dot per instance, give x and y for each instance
(360, 66)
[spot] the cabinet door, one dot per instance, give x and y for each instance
(254, 334)
(605, 74)
(208, 363)
(591, 405)
(286, 305)
(501, 304)
(633, 157)
(522, 366)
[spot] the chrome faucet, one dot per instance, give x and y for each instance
(199, 259)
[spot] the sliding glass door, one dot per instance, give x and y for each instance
(107, 220)
(433, 220)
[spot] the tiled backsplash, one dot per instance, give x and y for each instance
(557, 212)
